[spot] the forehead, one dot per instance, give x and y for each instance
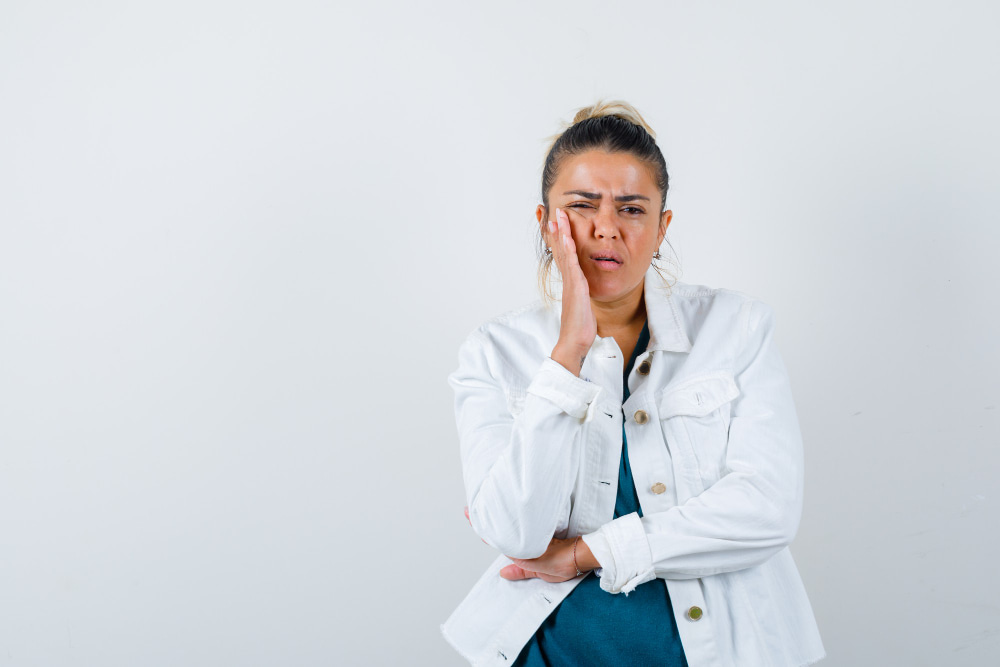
(599, 171)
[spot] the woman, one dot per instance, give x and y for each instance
(637, 430)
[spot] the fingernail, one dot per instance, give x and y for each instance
(552, 227)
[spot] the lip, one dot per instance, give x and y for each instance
(607, 260)
(607, 254)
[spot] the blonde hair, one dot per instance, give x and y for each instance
(599, 126)
(617, 108)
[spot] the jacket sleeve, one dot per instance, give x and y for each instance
(517, 470)
(750, 513)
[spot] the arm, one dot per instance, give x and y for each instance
(749, 514)
(517, 470)
(560, 562)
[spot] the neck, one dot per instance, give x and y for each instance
(624, 313)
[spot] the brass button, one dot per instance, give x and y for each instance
(644, 367)
(658, 488)
(693, 614)
(640, 417)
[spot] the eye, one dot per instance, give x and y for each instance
(632, 210)
(579, 204)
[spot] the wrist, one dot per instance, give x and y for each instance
(585, 560)
(570, 357)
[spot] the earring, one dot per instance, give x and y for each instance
(548, 250)
(657, 255)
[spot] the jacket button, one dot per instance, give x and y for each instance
(658, 488)
(644, 367)
(640, 417)
(693, 614)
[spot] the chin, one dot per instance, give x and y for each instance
(603, 292)
(609, 290)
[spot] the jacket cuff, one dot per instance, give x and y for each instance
(602, 552)
(574, 396)
(621, 547)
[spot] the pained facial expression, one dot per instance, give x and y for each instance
(613, 205)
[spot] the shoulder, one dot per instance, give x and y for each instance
(532, 321)
(511, 346)
(526, 315)
(724, 296)
(726, 311)
(691, 297)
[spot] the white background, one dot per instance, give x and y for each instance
(240, 243)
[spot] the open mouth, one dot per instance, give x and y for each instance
(607, 259)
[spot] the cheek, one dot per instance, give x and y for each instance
(579, 220)
(578, 230)
(645, 241)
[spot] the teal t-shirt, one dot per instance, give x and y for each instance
(594, 627)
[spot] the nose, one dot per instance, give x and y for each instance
(605, 223)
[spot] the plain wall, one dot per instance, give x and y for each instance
(240, 243)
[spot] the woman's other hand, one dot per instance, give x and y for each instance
(578, 326)
(555, 565)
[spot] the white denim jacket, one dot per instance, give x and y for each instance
(716, 454)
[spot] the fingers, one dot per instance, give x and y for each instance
(562, 245)
(516, 573)
(567, 244)
(559, 237)
(555, 240)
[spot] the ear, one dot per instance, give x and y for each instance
(543, 222)
(665, 219)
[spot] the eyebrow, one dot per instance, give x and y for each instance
(595, 195)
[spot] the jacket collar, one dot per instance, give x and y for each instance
(665, 330)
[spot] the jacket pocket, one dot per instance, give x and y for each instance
(700, 409)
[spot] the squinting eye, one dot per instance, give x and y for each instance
(633, 210)
(578, 205)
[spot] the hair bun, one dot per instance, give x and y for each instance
(618, 108)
